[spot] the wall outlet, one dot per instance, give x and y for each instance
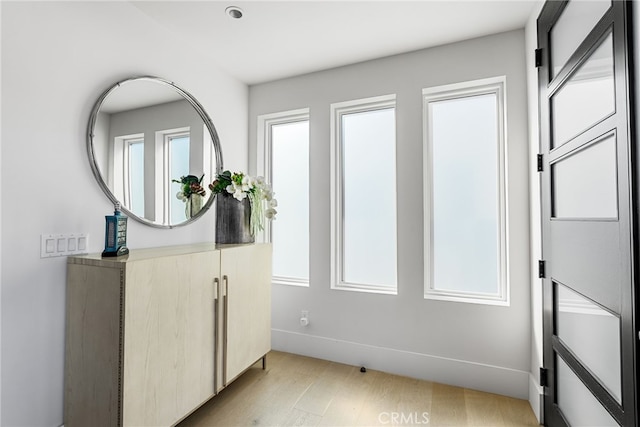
(55, 245)
(304, 318)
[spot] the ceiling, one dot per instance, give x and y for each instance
(279, 39)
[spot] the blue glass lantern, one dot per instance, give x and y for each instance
(115, 236)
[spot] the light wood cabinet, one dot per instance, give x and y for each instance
(248, 307)
(153, 335)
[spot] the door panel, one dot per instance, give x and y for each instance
(585, 184)
(587, 97)
(575, 23)
(169, 340)
(579, 407)
(592, 334)
(580, 244)
(587, 214)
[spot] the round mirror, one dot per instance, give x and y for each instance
(154, 149)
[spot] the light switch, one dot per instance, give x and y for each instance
(50, 246)
(71, 244)
(82, 243)
(62, 245)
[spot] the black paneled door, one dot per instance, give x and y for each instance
(589, 217)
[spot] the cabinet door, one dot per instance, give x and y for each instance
(248, 301)
(169, 337)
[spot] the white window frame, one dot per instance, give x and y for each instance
(337, 214)
(264, 168)
(126, 167)
(162, 161)
(497, 86)
(118, 179)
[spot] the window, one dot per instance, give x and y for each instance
(177, 148)
(134, 175)
(126, 171)
(364, 195)
(284, 146)
(142, 166)
(464, 192)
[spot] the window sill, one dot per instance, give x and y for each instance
(468, 298)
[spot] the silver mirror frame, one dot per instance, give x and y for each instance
(201, 112)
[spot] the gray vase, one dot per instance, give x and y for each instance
(192, 205)
(233, 219)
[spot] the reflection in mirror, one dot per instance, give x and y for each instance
(145, 137)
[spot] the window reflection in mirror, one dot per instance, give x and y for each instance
(178, 145)
(145, 135)
(133, 175)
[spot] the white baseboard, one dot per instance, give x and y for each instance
(536, 398)
(461, 373)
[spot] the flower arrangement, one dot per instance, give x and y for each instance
(190, 185)
(259, 192)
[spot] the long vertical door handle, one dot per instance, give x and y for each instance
(216, 310)
(225, 294)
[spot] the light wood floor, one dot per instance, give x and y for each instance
(302, 391)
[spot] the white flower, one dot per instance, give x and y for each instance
(247, 183)
(239, 194)
(273, 203)
(180, 196)
(259, 182)
(270, 213)
(236, 190)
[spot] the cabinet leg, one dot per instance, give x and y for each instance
(264, 362)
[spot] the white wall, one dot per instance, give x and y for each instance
(477, 346)
(1, 239)
(535, 391)
(57, 58)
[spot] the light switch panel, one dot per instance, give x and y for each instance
(56, 245)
